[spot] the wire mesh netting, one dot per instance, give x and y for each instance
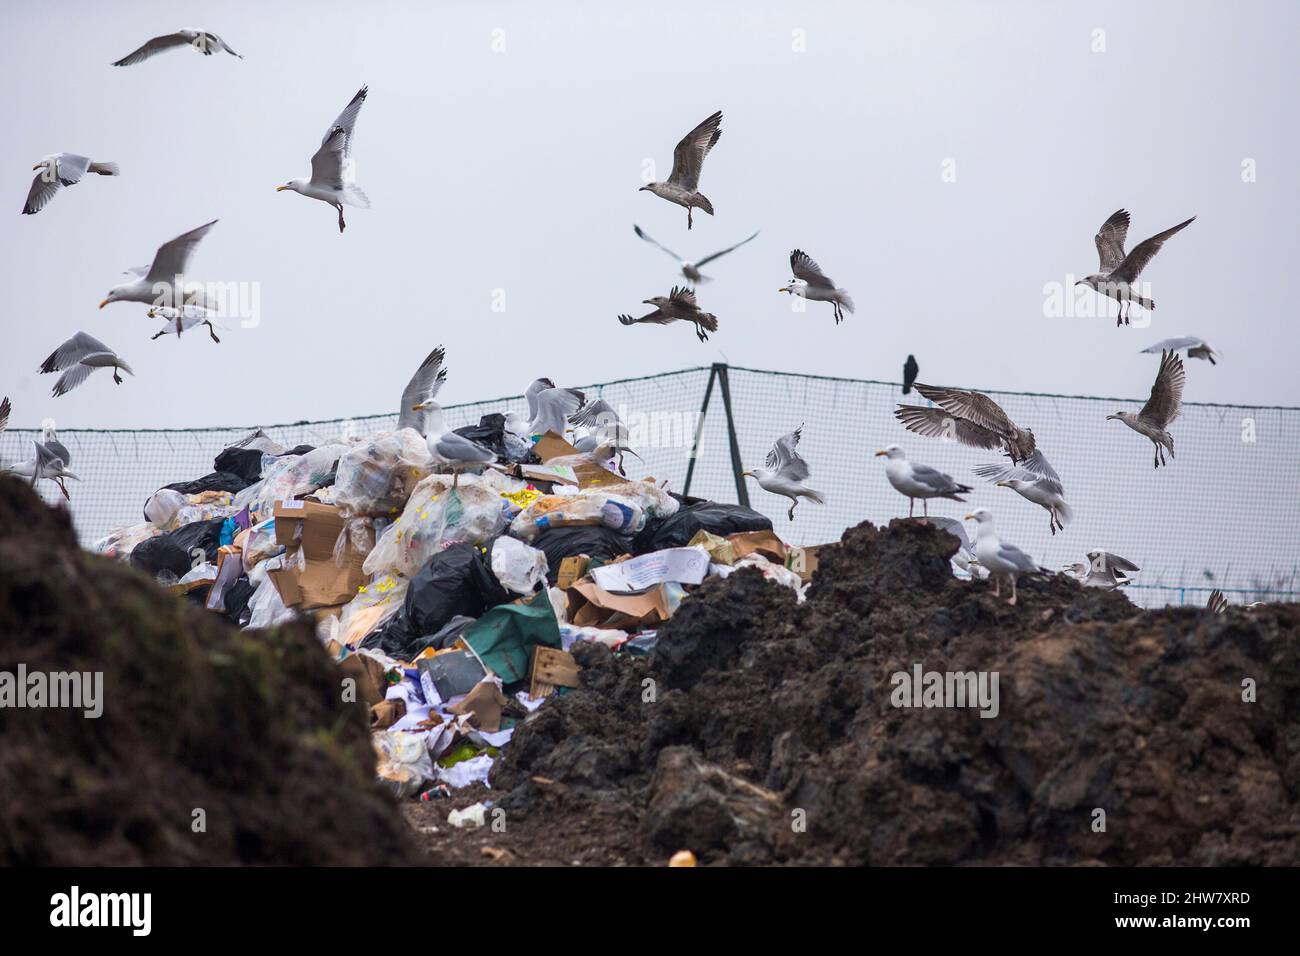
(1224, 514)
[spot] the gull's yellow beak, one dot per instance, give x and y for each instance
(1001, 484)
(104, 303)
(784, 288)
(968, 518)
(281, 189)
(879, 453)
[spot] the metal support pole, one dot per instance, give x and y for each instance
(699, 431)
(742, 493)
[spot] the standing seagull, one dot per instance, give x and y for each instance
(1196, 348)
(1102, 570)
(968, 417)
(688, 159)
(77, 358)
(1119, 272)
(418, 405)
(333, 178)
(786, 472)
(57, 170)
(910, 371)
(997, 556)
(1161, 408)
(163, 282)
(200, 40)
(919, 481)
(691, 270)
(1036, 480)
(679, 304)
(810, 282)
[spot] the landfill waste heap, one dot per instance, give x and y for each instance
(559, 664)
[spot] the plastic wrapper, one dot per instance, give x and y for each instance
(120, 542)
(374, 604)
(162, 506)
(378, 474)
(517, 566)
(403, 763)
(586, 508)
(292, 475)
(259, 544)
(773, 572)
(265, 607)
(437, 515)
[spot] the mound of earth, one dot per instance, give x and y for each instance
(763, 731)
(214, 746)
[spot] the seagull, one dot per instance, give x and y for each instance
(50, 439)
(77, 358)
(810, 282)
(1196, 348)
(57, 170)
(45, 463)
(1036, 480)
(1119, 272)
(679, 304)
(1216, 603)
(688, 158)
(786, 472)
(691, 270)
(455, 452)
(606, 431)
(910, 370)
(182, 320)
(549, 407)
(996, 556)
(965, 556)
(165, 273)
(201, 40)
(971, 418)
(5, 409)
(333, 177)
(418, 405)
(1161, 408)
(1102, 570)
(919, 481)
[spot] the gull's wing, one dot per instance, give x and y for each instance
(329, 162)
(724, 251)
(153, 48)
(599, 412)
(1112, 561)
(172, 258)
(940, 423)
(1144, 252)
(1033, 468)
(1110, 240)
(454, 447)
(785, 460)
(71, 167)
(1174, 344)
(1009, 552)
(46, 457)
(73, 351)
(1167, 392)
(554, 406)
(42, 191)
(688, 157)
(423, 386)
(933, 478)
(70, 379)
(223, 44)
(138, 271)
(652, 242)
(5, 409)
(972, 405)
(657, 317)
(684, 299)
(803, 267)
(954, 528)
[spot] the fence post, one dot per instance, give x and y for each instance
(742, 493)
(699, 431)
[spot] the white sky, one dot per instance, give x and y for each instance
(519, 171)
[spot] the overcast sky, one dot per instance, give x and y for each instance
(518, 169)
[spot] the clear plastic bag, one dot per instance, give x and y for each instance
(518, 567)
(437, 515)
(403, 763)
(288, 476)
(162, 506)
(120, 542)
(259, 544)
(374, 604)
(266, 607)
(585, 508)
(377, 475)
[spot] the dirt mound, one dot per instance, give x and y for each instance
(246, 727)
(762, 731)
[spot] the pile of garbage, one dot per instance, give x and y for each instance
(452, 602)
(139, 729)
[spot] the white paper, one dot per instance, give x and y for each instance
(683, 565)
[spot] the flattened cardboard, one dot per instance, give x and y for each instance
(803, 561)
(592, 606)
(484, 704)
(765, 543)
(550, 669)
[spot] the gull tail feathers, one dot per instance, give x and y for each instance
(815, 497)
(846, 301)
(701, 202)
(1064, 513)
(353, 195)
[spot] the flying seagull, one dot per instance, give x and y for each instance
(58, 170)
(201, 40)
(910, 370)
(549, 407)
(606, 431)
(1119, 272)
(679, 304)
(1161, 408)
(1036, 480)
(691, 270)
(1196, 348)
(688, 159)
(50, 439)
(333, 178)
(810, 282)
(182, 320)
(1103, 570)
(418, 405)
(997, 556)
(919, 481)
(45, 463)
(786, 472)
(77, 358)
(156, 284)
(970, 418)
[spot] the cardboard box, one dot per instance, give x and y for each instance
(571, 570)
(309, 525)
(550, 669)
(765, 543)
(592, 606)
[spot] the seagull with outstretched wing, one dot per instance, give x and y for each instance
(682, 186)
(163, 284)
(202, 41)
(1161, 408)
(1119, 273)
(418, 407)
(333, 176)
(810, 282)
(968, 417)
(786, 472)
(691, 270)
(678, 305)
